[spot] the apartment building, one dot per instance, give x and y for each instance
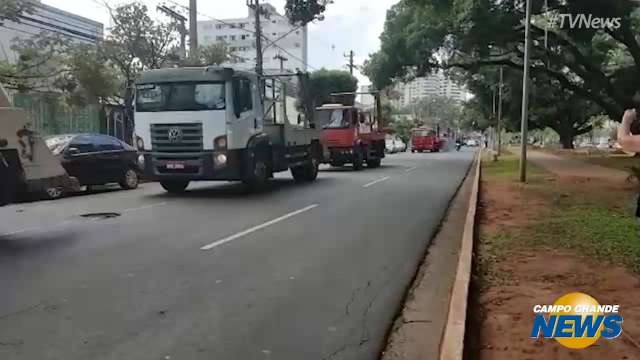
(282, 38)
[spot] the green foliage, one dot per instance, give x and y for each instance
(11, 9)
(301, 12)
(214, 54)
(599, 66)
(324, 82)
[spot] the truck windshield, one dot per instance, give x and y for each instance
(424, 133)
(189, 96)
(334, 119)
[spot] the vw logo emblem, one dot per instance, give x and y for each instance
(175, 134)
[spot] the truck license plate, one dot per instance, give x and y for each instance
(175, 166)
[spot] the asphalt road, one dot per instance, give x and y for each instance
(312, 271)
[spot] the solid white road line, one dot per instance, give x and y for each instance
(256, 228)
(411, 169)
(376, 181)
(144, 207)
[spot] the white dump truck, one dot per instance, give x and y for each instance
(213, 123)
(26, 164)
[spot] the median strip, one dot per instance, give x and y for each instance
(376, 181)
(258, 227)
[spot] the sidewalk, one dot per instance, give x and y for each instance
(563, 166)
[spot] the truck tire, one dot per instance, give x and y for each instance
(374, 163)
(358, 158)
(258, 173)
(174, 186)
(306, 173)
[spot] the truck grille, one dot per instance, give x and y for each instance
(176, 138)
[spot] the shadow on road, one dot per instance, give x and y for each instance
(12, 246)
(349, 169)
(238, 190)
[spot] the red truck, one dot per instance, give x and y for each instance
(423, 139)
(350, 135)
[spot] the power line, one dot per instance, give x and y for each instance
(246, 30)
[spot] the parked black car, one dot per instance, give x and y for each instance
(96, 159)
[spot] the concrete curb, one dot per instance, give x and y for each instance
(452, 344)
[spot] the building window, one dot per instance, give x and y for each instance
(297, 32)
(219, 26)
(242, 25)
(275, 34)
(233, 37)
(297, 44)
(243, 37)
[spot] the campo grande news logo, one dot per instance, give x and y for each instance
(577, 321)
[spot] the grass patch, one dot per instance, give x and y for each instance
(623, 163)
(507, 167)
(591, 219)
(593, 231)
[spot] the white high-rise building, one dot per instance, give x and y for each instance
(239, 36)
(48, 19)
(433, 85)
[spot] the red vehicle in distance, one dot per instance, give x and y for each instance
(423, 139)
(350, 135)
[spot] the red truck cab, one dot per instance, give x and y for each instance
(424, 140)
(350, 136)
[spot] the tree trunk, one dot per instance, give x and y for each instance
(567, 141)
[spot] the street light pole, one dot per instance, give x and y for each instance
(500, 111)
(525, 95)
(193, 28)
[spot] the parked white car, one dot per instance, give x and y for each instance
(472, 143)
(399, 145)
(389, 145)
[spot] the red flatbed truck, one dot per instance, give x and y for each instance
(423, 139)
(351, 135)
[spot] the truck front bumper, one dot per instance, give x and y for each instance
(206, 165)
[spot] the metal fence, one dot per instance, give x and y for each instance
(49, 115)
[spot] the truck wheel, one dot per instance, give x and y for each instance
(358, 158)
(174, 187)
(374, 163)
(257, 173)
(306, 173)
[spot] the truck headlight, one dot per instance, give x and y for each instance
(220, 160)
(139, 143)
(220, 143)
(141, 161)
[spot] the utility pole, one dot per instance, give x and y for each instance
(500, 110)
(350, 56)
(193, 28)
(524, 125)
(255, 4)
(283, 86)
(182, 29)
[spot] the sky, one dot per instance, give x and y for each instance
(349, 24)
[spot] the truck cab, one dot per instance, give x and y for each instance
(424, 139)
(350, 135)
(210, 123)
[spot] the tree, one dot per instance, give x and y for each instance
(12, 9)
(214, 54)
(598, 65)
(323, 82)
(137, 43)
(301, 12)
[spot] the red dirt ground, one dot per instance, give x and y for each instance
(533, 276)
